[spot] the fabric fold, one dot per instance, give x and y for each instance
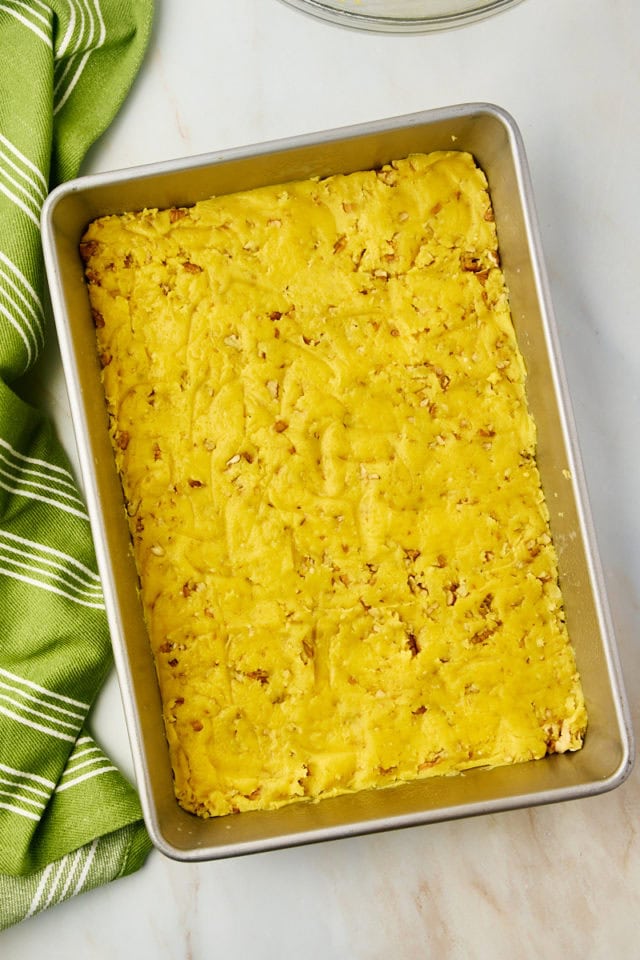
(69, 820)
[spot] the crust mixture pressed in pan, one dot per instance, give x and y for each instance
(317, 406)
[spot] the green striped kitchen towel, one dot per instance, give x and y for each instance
(68, 820)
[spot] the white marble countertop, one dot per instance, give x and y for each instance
(554, 882)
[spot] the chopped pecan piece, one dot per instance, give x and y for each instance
(485, 604)
(481, 636)
(451, 591)
(471, 263)
(260, 675)
(88, 249)
(412, 643)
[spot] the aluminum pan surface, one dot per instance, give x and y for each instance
(492, 136)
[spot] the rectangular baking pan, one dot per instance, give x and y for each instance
(492, 137)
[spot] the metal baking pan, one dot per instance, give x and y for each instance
(493, 138)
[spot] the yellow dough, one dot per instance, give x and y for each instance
(318, 412)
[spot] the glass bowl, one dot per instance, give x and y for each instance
(402, 16)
